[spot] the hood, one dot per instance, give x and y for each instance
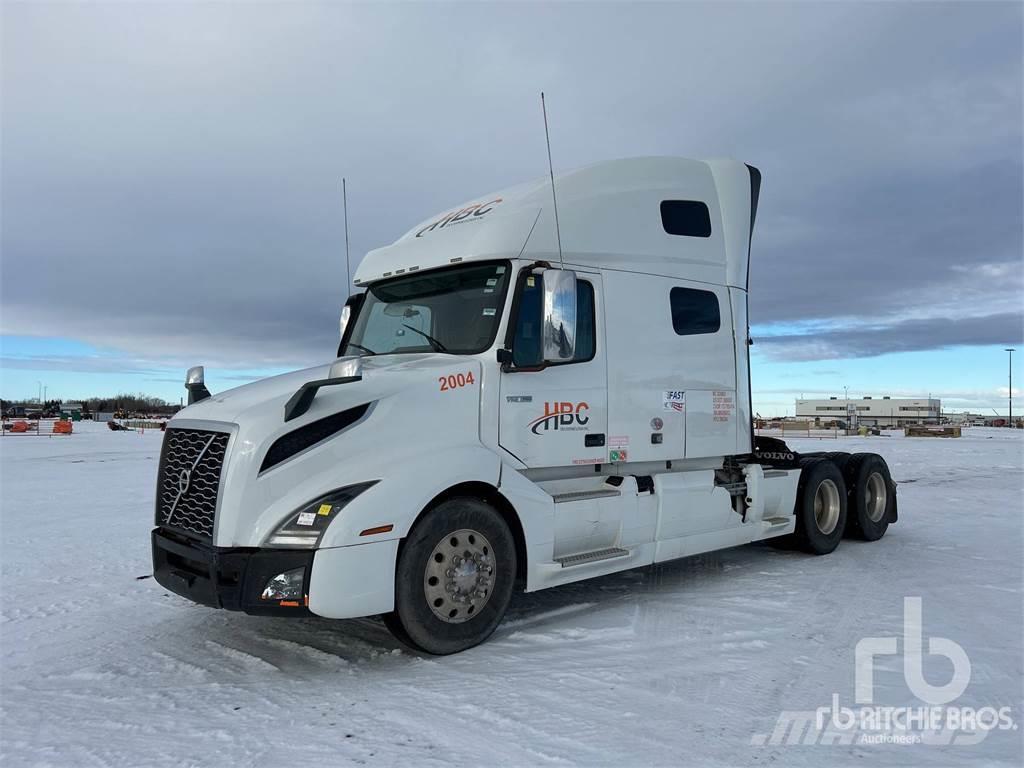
(409, 409)
(383, 375)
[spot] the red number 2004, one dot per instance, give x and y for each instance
(455, 380)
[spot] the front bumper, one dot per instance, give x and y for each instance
(231, 578)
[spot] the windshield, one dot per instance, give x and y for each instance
(454, 310)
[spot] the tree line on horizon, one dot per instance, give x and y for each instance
(124, 402)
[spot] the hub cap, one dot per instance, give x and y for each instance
(875, 497)
(459, 576)
(826, 506)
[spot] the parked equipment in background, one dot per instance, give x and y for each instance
(497, 419)
(38, 427)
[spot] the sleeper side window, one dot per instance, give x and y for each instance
(694, 311)
(687, 218)
(527, 349)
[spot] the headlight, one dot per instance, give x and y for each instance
(303, 528)
(285, 586)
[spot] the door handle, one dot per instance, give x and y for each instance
(591, 441)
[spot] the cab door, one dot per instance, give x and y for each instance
(555, 414)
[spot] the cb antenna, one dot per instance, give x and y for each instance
(551, 170)
(348, 268)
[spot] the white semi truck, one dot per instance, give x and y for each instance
(516, 403)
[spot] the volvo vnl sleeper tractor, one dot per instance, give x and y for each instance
(513, 404)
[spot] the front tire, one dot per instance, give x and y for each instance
(820, 507)
(454, 578)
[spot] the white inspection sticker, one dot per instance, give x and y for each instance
(306, 518)
(673, 400)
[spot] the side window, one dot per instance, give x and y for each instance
(694, 311)
(687, 218)
(527, 350)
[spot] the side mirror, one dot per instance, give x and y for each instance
(195, 383)
(559, 330)
(346, 315)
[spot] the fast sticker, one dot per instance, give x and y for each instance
(490, 312)
(325, 509)
(306, 518)
(673, 400)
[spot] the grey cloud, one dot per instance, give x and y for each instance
(78, 364)
(172, 172)
(907, 336)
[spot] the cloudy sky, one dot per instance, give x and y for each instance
(171, 173)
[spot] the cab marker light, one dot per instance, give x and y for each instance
(378, 529)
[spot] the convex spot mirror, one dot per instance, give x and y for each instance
(559, 329)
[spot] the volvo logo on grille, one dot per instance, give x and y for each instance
(187, 453)
(183, 479)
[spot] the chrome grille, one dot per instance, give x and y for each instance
(189, 478)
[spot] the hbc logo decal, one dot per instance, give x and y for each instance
(564, 416)
(469, 213)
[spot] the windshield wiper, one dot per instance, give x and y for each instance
(436, 345)
(367, 350)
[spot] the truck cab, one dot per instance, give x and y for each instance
(515, 403)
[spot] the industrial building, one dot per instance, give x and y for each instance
(871, 411)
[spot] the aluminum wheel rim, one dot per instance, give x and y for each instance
(875, 497)
(459, 577)
(826, 506)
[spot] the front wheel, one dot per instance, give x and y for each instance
(454, 577)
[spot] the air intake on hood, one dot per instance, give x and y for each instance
(302, 438)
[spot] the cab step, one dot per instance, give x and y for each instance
(591, 557)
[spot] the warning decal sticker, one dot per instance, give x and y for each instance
(722, 406)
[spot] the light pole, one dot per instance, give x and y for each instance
(1009, 420)
(39, 397)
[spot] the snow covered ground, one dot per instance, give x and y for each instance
(686, 663)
